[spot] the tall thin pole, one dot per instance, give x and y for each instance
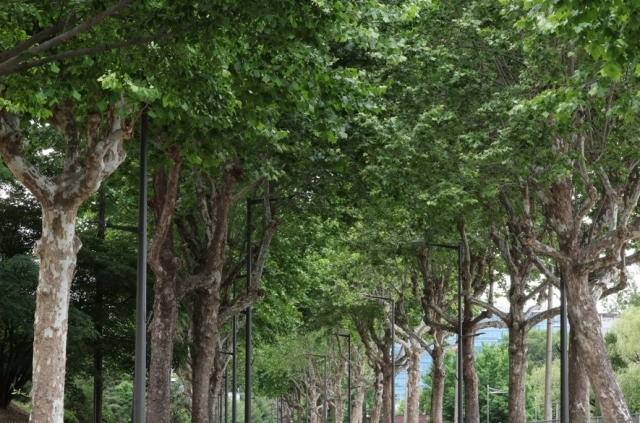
(234, 373)
(349, 379)
(248, 344)
(564, 354)
(139, 400)
(393, 360)
(460, 337)
(547, 377)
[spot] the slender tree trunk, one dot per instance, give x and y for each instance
(517, 367)
(56, 251)
(438, 373)
(206, 336)
(413, 384)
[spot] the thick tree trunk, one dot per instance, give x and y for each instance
(413, 384)
(206, 336)
(579, 407)
(471, 399)
(56, 251)
(438, 373)
(591, 349)
(357, 405)
(162, 328)
(338, 394)
(386, 393)
(376, 408)
(60, 198)
(517, 368)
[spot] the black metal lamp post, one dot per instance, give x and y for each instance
(393, 352)
(457, 248)
(348, 336)
(139, 383)
(564, 354)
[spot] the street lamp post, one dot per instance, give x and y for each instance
(564, 354)
(493, 391)
(139, 384)
(348, 336)
(459, 361)
(393, 352)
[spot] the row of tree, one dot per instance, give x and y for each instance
(364, 133)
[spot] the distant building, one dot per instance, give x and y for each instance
(486, 336)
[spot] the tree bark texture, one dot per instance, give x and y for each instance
(56, 251)
(438, 374)
(413, 385)
(579, 406)
(591, 350)
(166, 266)
(206, 336)
(517, 370)
(471, 393)
(376, 407)
(60, 197)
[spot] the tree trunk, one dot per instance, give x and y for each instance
(358, 403)
(437, 377)
(386, 393)
(206, 336)
(60, 197)
(471, 401)
(56, 251)
(162, 328)
(413, 384)
(165, 266)
(591, 349)
(517, 367)
(376, 408)
(579, 407)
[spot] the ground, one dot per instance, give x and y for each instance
(13, 414)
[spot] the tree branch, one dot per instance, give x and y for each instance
(8, 66)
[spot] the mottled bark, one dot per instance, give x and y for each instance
(579, 407)
(438, 374)
(60, 197)
(165, 265)
(205, 338)
(413, 384)
(591, 349)
(376, 407)
(56, 251)
(470, 377)
(517, 371)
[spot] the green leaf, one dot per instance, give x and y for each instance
(612, 70)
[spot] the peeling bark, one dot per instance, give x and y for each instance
(579, 406)
(60, 197)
